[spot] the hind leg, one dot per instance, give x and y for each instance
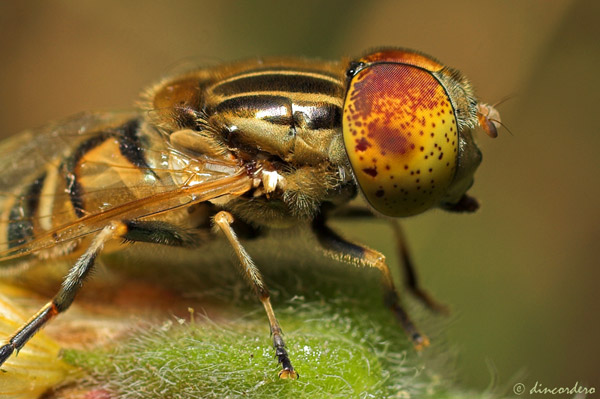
(65, 296)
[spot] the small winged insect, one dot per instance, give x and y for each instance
(264, 143)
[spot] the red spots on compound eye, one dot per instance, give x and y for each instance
(386, 89)
(370, 171)
(388, 138)
(362, 145)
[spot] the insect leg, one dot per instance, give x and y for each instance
(410, 274)
(224, 220)
(65, 296)
(411, 278)
(157, 232)
(343, 250)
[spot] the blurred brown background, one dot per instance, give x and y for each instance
(522, 274)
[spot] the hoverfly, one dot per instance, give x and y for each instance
(260, 144)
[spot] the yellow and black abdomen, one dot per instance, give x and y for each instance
(72, 176)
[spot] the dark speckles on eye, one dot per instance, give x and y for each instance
(379, 193)
(370, 171)
(362, 145)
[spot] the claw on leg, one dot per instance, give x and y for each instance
(288, 374)
(420, 342)
(287, 371)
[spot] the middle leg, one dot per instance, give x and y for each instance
(224, 220)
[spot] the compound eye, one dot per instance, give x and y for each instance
(400, 134)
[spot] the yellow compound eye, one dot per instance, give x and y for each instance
(400, 132)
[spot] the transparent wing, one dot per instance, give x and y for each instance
(33, 150)
(69, 179)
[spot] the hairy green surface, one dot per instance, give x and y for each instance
(341, 339)
(339, 352)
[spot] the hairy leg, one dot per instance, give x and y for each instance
(223, 221)
(65, 296)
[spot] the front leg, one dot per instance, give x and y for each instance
(223, 221)
(411, 278)
(360, 255)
